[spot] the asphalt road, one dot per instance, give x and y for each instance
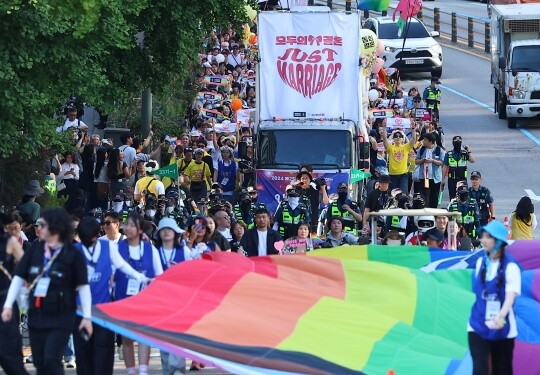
(505, 157)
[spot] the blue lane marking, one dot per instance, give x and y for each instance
(525, 132)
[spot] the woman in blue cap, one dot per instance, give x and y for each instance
(496, 284)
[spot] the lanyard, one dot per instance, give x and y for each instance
(91, 260)
(46, 268)
(164, 258)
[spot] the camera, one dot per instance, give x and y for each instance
(319, 181)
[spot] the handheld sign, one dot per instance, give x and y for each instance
(358, 175)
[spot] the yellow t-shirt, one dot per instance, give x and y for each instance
(398, 157)
(198, 172)
(520, 229)
(149, 183)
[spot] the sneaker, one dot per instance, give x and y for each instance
(71, 364)
(120, 353)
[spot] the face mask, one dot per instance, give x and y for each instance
(457, 145)
(151, 213)
(245, 204)
(391, 242)
(463, 196)
(128, 203)
(117, 206)
(342, 195)
(170, 209)
(293, 201)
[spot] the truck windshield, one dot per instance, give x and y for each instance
(279, 149)
(526, 58)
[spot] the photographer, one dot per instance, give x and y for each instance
(312, 193)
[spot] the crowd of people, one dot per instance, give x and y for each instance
(121, 221)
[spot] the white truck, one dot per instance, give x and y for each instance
(515, 61)
(309, 100)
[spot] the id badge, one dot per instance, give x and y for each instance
(133, 287)
(224, 181)
(42, 287)
(90, 270)
(493, 308)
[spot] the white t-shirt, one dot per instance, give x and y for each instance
(135, 254)
(129, 154)
(68, 167)
(69, 124)
(513, 284)
(120, 238)
(262, 250)
(227, 234)
(235, 60)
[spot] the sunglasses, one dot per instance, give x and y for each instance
(107, 223)
(398, 135)
(475, 178)
(417, 101)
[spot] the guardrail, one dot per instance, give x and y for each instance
(464, 31)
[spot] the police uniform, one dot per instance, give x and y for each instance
(349, 221)
(288, 219)
(457, 169)
(51, 318)
(483, 199)
(470, 218)
(243, 217)
(432, 97)
(11, 358)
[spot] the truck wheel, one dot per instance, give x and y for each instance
(502, 107)
(437, 72)
(511, 122)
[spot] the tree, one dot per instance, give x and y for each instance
(57, 48)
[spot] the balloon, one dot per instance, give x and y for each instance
(368, 42)
(220, 58)
(252, 39)
(380, 48)
(378, 65)
(236, 104)
(373, 95)
(251, 13)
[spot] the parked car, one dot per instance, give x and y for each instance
(421, 52)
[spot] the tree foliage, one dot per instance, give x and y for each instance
(52, 49)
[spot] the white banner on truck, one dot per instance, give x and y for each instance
(309, 65)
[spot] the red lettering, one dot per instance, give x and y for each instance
(314, 57)
(338, 41)
(280, 40)
(330, 52)
(291, 39)
(302, 40)
(328, 40)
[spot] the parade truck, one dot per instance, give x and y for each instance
(309, 101)
(515, 61)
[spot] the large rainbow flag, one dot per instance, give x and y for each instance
(348, 310)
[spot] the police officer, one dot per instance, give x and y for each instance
(455, 164)
(289, 213)
(483, 197)
(254, 196)
(345, 208)
(96, 355)
(470, 218)
(432, 97)
(55, 271)
(11, 358)
(243, 211)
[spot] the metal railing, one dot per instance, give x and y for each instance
(466, 32)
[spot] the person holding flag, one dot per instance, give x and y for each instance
(149, 183)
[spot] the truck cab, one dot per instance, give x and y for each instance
(515, 73)
(331, 147)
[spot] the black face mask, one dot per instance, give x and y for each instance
(457, 145)
(342, 195)
(245, 204)
(463, 196)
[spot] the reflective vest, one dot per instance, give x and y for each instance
(467, 219)
(50, 186)
(433, 100)
(240, 217)
(288, 222)
(348, 219)
(396, 222)
(457, 168)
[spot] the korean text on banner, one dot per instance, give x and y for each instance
(309, 64)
